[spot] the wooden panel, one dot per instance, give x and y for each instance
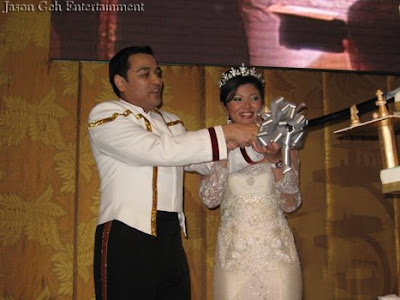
(360, 225)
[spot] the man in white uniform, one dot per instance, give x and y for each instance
(141, 153)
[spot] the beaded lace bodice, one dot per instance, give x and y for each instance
(253, 232)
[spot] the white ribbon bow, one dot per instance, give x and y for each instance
(283, 124)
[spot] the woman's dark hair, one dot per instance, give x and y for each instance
(119, 63)
(228, 90)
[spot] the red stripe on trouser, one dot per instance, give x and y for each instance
(104, 248)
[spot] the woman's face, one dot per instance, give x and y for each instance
(245, 104)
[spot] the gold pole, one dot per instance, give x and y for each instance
(389, 160)
(386, 135)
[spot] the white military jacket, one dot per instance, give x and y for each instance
(141, 157)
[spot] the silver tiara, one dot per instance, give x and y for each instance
(241, 71)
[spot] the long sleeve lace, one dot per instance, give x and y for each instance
(288, 187)
(212, 186)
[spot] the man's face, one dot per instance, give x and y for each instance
(143, 84)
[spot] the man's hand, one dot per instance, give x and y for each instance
(230, 145)
(239, 134)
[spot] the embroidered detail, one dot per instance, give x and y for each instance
(110, 119)
(212, 186)
(174, 123)
(254, 236)
(154, 184)
(147, 122)
(288, 186)
(253, 232)
(250, 181)
(154, 206)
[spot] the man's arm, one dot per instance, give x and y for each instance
(239, 158)
(128, 139)
(240, 134)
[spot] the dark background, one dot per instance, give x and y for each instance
(213, 33)
(179, 31)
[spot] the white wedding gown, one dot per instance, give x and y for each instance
(256, 257)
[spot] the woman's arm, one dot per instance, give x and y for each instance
(212, 186)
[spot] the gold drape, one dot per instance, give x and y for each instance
(346, 230)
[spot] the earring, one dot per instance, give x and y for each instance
(228, 119)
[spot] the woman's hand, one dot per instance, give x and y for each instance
(272, 151)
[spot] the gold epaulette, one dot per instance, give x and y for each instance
(110, 119)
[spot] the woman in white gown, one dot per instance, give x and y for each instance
(256, 257)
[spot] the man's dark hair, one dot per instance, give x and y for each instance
(119, 63)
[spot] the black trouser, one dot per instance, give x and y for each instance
(129, 264)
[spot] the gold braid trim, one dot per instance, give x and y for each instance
(148, 125)
(155, 174)
(154, 184)
(110, 119)
(172, 123)
(154, 208)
